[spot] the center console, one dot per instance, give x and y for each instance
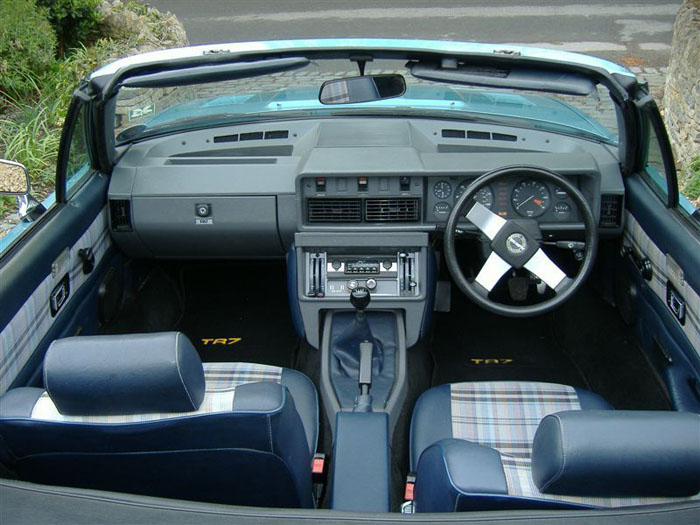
(362, 300)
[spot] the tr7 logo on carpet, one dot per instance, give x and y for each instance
(500, 361)
(224, 341)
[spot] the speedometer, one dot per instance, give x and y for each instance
(530, 198)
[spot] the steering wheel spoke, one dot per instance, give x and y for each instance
(494, 268)
(543, 267)
(484, 219)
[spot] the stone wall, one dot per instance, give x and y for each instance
(141, 29)
(681, 100)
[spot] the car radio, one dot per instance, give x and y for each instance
(331, 275)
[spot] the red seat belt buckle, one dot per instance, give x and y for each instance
(410, 486)
(318, 466)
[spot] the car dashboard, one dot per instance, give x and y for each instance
(245, 191)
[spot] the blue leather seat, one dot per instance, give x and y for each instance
(141, 414)
(526, 445)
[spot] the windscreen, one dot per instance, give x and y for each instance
(143, 112)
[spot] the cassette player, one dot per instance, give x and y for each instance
(362, 267)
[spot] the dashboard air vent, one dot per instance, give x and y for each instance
(504, 136)
(278, 134)
(453, 133)
(610, 211)
(392, 210)
(120, 215)
(226, 138)
(334, 210)
(478, 135)
(253, 135)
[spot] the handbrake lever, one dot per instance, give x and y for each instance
(363, 403)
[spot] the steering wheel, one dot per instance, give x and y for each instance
(517, 243)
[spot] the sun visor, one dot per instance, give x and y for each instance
(507, 78)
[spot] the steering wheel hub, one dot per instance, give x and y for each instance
(516, 244)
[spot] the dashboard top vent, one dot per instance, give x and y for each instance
(120, 215)
(334, 210)
(478, 135)
(392, 210)
(226, 138)
(611, 210)
(453, 133)
(253, 135)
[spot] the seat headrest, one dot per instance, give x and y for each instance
(124, 374)
(618, 453)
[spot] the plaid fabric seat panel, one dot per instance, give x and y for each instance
(505, 416)
(221, 381)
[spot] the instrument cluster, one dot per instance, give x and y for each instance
(514, 198)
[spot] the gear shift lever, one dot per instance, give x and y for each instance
(360, 298)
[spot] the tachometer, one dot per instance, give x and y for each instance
(442, 189)
(484, 195)
(530, 198)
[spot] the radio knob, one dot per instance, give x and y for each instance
(351, 285)
(371, 284)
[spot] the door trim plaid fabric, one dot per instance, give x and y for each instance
(504, 415)
(21, 336)
(221, 381)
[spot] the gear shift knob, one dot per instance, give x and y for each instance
(360, 298)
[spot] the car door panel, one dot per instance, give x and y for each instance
(654, 232)
(28, 281)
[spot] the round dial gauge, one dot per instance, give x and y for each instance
(484, 195)
(442, 189)
(562, 211)
(530, 198)
(441, 210)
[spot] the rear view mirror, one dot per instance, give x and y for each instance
(361, 89)
(14, 179)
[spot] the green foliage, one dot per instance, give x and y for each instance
(27, 47)
(76, 22)
(691, 186)
(31, 131)
(7, 204)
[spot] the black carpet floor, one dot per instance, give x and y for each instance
(239, 312)
(471, 344)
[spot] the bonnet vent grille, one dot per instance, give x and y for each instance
(610, 211)
(120, 215)
(334, 210)
(392, 210)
